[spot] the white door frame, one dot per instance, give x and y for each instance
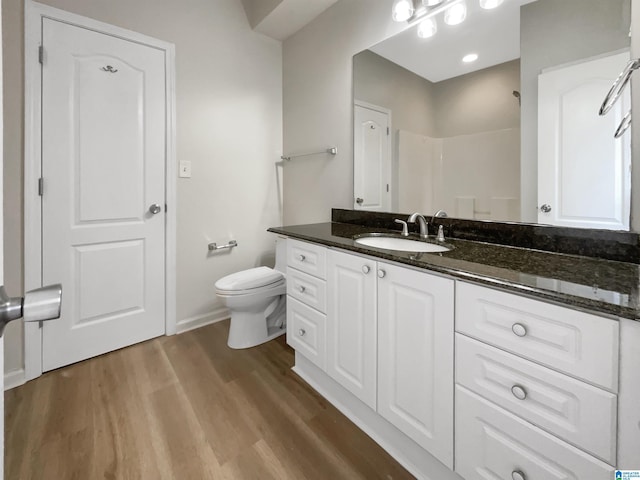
(34, 13)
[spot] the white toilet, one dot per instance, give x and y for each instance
(257, 301)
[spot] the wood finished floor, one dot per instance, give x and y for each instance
(184, 407)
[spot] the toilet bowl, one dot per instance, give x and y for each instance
(256, 299)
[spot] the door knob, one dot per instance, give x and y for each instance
(155, 208)
(359, 200)
(37, 305)
(546, 208)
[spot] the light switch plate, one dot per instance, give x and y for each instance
(185, 169)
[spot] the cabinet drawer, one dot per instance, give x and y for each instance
(494, 444)
(309, 290)
(577, 343)
(583, 415)
(306, 331)
(307, 257)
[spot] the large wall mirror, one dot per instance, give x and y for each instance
(514, 135)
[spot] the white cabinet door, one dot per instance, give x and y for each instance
(306, 331)
(581, 414)
(351, 324)
(415, 357)
(492, 444)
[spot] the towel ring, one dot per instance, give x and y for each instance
(619, 86)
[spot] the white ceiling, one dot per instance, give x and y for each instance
(280, 19)
(493, 34)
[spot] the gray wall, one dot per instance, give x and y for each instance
(554, 32)
(481, 101)
(318, 111)
(409, 97)
(229, 125)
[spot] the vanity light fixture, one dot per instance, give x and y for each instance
(455, 14)
(402, 10)
(423, 13)
(427, 27)
(471, 57)
(489, 4)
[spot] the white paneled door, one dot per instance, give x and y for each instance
(584, 173)
(103, 203)
(371, 159)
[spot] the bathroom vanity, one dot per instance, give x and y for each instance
(486, 361)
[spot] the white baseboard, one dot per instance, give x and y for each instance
(407, 453)
(201, 320)
(14, 379)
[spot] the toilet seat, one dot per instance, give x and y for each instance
(252, 281)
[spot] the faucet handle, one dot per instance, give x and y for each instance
(405, 228)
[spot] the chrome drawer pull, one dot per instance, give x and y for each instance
(302, 258)
(519, 329)
(518, 475)
(301, 288)
(301, 332)
(366, 269)
(519, 392)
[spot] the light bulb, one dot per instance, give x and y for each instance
(402, 10)
(431, 3)
(427, 28)
(489, 4)
(471, 57)
(455, 14)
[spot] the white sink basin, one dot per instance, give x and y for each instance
(401, 244)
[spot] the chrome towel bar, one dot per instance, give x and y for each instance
(214, 246)
(330, 150)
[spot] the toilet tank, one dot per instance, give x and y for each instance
(281, 254)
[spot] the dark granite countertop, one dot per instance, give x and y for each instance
(591, 284)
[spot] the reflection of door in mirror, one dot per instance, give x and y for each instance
(576, 147)
(372, 157)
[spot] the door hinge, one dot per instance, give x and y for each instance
(387, 188)
(166, 209)
(40, 186)
(387, 130)
(41, 54)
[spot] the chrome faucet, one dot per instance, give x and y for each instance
(439, 214)
(424, 227)
(405, 230)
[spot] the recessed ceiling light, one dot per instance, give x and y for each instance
(471, 57)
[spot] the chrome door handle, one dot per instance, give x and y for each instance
(546, 208)
(359, 200)
(37, 305)
(155, 209)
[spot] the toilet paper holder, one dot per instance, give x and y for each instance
(214, 246)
